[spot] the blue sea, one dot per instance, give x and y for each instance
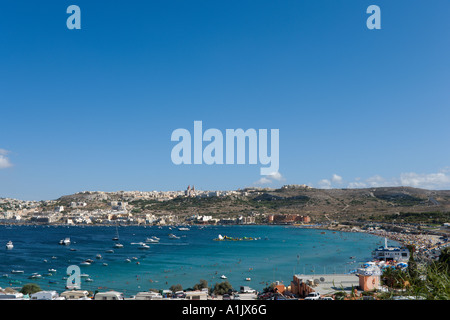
(281, 252)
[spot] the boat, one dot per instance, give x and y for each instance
(73, 249)
(105, 264)
(227, 238)
(17, 271)
(109, 251)
(152, 239)
(143, 246)
(89, 280)
(248, 279)
(85, 263)
(172, 236)
(52, 270)
(98, 256)
(118, 245)
(9, 245)
(223, 277)
(64, 242)
(35, 276)
(84, 275)
(116, 238)
(127, 260)
(183, 229)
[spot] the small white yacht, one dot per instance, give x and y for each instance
(172, 236)
(9, 245)
(17, 271)
(65, 242)
(143, 246)
(118, 245)
(223, 277)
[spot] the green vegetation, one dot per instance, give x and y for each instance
(222, 288)
(400, 199)
(431, 282)
(176, 287)
(199, 286)
(30, 288)
(434, 217)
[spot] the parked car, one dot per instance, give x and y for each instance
(313, 296)
(326, 298)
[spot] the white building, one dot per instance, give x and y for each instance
(197, 295)
(148, 296)
(46, 295)
(109, 295)
(75, 295)
(387, 253)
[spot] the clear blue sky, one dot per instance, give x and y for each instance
(94, 109)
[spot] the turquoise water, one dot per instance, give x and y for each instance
(281, 252)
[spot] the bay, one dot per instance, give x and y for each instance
(278, 254)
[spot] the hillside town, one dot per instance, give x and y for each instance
(97, 207)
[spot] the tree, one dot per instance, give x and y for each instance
(176, 287)
(222, 288)
(203, 284)
(30, 288)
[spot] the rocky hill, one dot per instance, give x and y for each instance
(320, 204)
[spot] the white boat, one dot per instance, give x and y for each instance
(143, 246)
(127, 260)
(17, 271)
(89, 280)
(109, 251)
(99, 256)
(184, 229)
(84, 275)
(9, 245)
(223, 277)
(65, 241)
(118, 245)
(35, 276)
(248, 279)
(52, 270)
(152, 240)
(172, 236)
(116, 238)
(85, 263)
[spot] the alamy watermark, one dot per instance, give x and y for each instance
(191, 149)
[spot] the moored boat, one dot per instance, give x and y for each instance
(9, 245)
(64, 242)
